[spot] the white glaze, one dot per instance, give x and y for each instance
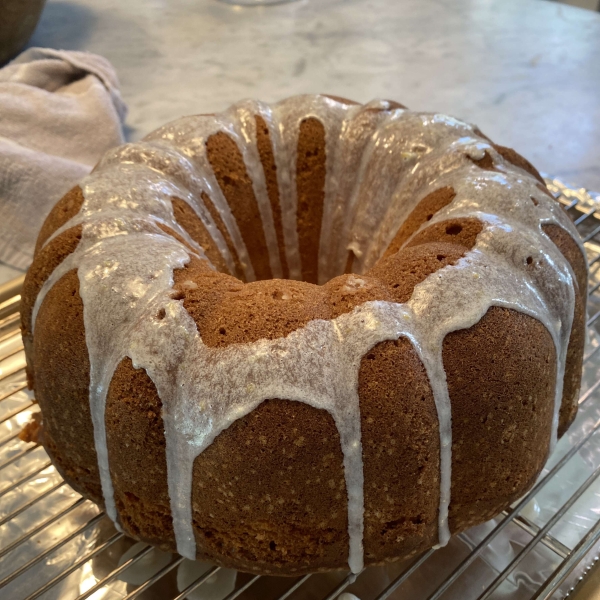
(242, 117)
(379, 166)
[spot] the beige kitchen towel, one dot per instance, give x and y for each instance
(59, 112)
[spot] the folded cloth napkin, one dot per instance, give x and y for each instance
(59, 112)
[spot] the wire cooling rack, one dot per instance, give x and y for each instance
(56, 545)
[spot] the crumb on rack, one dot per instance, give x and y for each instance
(32, 432)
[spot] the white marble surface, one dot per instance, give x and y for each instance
(526, 71)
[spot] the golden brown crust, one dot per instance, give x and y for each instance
(228, 165)
(293, 451)
(46, 261)
(136, 452)
(310, 185)
(486, 162)
(227, 311)
(408, 267)
(187, 218)
(463, 232)
(287, 442)
(66, 208)
(267, 158)
(574, 361)
(422, 213)
(501, 378)
(269, 493)
(401, 480)
(59, 347)
(395, 403)
(511, 156)
(214, 213)
(519, 161)
(278, 506)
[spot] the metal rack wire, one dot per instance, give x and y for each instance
(55, 544)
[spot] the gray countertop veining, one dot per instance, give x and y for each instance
(526, 71)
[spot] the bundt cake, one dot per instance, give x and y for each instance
(305, 336)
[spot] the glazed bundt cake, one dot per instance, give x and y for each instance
(305, 336)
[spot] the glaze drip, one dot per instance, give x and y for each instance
(380, 163)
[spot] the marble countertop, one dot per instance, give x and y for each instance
(526, 71)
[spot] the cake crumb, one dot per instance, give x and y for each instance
(33, 430)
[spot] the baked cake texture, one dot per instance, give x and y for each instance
(305, 336)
